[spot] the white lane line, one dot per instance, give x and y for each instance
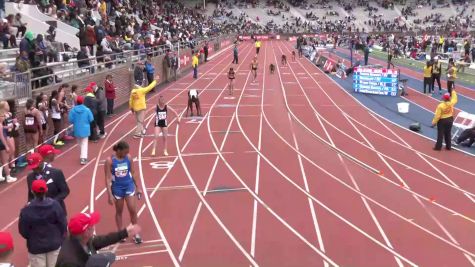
(307, 188)
(202, 198)
(258, 164)
(343, 163)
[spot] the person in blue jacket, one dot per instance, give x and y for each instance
(81, 118)
(42, 223)
(149, 69)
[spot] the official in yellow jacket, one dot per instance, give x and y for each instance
(444, 119)
(138, 105)
(258, 46)
(194, 64)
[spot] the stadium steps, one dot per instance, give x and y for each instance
(39, 23)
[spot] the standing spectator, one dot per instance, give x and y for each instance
(175, 61)
(206, 51)
(101, 108)
(81, 118)
(138, 105)
(20, 25)
(194, 64)
(473, 53)
(48, 152)
(235, 55)
(6, 247)
(58, 189)
(436, 70)
(444, 120)
(366, 54)
(91, 102)
(428, 77)
(82, 243)
(138, 73)
(42, 223)
(90, 36)
(167, 65)
(110, 94)
(149, 70)
(32, 125)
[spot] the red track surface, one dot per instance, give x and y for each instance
(312, 178)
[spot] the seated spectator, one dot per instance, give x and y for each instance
(27, 45)
(22, 63)
(20, 25)
(5, 36)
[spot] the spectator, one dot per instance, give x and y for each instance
(91, 102)
(22, 63)
(110, 94)
(138, 73)
(58, 189)
(32, 125)
(101, 108)
(149, 70)
(83, 59)
(167, 65)
(27, 45)
(6, 245)
(81, 118)
(5, 35)
(466, 134)
(20, 25)
(2, 9)
(90, 37)
(175, 61)
(43, 224)
(206, 51)
(48, 152)
(138, 106)
(81, 243)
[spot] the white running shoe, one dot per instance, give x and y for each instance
(11, 179)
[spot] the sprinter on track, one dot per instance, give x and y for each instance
(161, 124)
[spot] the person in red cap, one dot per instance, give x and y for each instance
(82, 243)
(91, 102)
(58, 189)
(81, 118)
(6, 248)
(42, 223)
(48, 152)
(444, 119)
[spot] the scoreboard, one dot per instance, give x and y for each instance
(378, 81)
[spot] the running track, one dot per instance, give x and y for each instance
(290, 171)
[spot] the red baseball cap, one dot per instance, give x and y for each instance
(46, 150)
(39, 186)
(80, 100)
(34, 160)
(88, 90)
(446, 97)
(80, 222)
(92, 84)
(6, 242)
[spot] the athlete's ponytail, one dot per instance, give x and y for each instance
(120, 146)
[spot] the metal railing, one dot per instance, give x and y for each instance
(65, 71)
(15, 86)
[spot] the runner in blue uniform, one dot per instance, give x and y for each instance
(161, 124)
(121, 184)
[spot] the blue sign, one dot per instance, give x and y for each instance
(375, 81)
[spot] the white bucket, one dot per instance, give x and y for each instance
(403, 107)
